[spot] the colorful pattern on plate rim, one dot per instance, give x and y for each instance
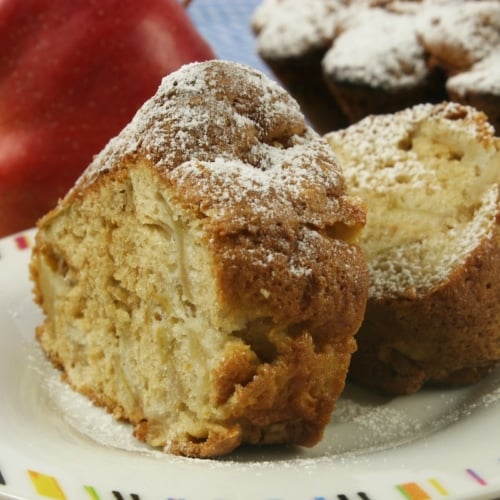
(47, 486)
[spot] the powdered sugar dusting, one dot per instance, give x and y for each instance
(383, 140)
(460, 36)
(363, 422)
(233, 152)
(385, 44)
(384, 144)
(388, 159)
(231, 139)
(314, 23)
(396, 60)
(196, 118)
(483, 77)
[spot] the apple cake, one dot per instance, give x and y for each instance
(202, 278)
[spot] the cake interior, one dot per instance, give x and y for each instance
(430, 199)
(133, 290)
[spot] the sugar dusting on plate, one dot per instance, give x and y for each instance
(362, 423)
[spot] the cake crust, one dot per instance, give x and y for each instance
(447, 337)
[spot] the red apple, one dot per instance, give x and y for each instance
(72, 74)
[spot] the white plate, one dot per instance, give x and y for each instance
(55, 444)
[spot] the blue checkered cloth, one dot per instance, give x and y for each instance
(225, 24)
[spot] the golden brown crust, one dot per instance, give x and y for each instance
(448, 337)
(220, 441)
(291, 390)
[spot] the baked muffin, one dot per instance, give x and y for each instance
(479, 87)
(458, 35)
(465, 42)
(373, 56)
(201, 280)
(292, 38)
(430, 178)
(378, 65)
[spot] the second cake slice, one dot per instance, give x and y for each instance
(430, 177)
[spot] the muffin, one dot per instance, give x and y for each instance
(346, 59)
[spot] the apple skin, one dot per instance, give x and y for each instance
(72, 75)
